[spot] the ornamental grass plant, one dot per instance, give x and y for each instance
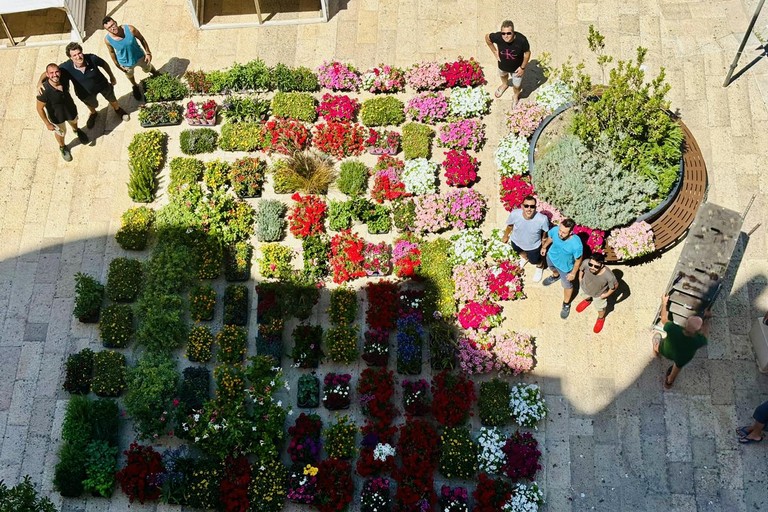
(308, 172)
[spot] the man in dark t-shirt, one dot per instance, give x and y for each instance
(56, 108)
(512, 52)
(82, 69)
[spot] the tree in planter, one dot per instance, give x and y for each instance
(89, 294)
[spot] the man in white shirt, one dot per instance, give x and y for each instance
(528, 229)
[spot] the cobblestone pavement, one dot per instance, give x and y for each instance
(614, 440)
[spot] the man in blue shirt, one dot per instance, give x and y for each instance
(123, 44)
(564, 253)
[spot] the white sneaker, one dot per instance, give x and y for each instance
(523, 262)
(538, 274)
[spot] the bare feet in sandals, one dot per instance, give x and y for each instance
(500, 91)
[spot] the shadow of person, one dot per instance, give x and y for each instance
(533, 78)
(621, 294)
(174, 67)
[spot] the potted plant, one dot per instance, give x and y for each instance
(382, 142)
(201, 113)
(89, 294)
(160, 114)
(308, 394)
(336, 391)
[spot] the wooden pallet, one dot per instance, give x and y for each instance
(672, 225)
(698, 275)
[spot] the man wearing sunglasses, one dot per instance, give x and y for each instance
(528, 229)
(564, 253)
(596, 284)
(512, 52)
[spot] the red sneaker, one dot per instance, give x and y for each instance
(599, 325)
(583, 305)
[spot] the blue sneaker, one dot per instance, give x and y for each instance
(565, 311)
(549, 280)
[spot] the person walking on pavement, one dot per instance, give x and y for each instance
(123, 44)
(56, 107)
(596, 283)
(528, 228)
(754, 433)
(681, 343)
(512, 53)
(82, 69)
(564, 252)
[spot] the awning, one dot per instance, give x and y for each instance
(74, 9)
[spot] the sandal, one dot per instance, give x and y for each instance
(667, 384)
(747, 440)
(742, 431)
(500, 91)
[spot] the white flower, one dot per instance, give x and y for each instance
(196, 417)
(420, 176)
(279, 403)
(382, 451)
(468, 246)
(553, 95)
(511, 156)
(527, 405)
(524, 499)
(490, 457)
(498, 250)
(466, 102)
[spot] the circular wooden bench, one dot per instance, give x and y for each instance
(672, 224)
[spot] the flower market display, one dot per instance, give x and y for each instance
(371, 364)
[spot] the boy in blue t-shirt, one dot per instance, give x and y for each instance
(564, 253)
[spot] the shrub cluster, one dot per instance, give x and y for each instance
(198, 140)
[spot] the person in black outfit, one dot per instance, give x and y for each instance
(56, 108)
(82, 69)
(512, 52)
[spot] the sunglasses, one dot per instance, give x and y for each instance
(507, 33)
(529, 206)
(592, 265)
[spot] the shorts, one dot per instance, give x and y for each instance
(143, 64)
(563, 279)
(534, 255)
(108, 92)
(61, 128)
(599, 302)
(761, 413)
(517, 81)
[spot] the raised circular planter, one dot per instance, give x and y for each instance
(671, 218)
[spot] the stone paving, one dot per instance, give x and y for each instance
(614, 440)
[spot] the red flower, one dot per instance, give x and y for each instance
(286, 135)
(382, 305)
(308, 216)
(514, 190)
(452, 398)
(334, 485)
(339, 139)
